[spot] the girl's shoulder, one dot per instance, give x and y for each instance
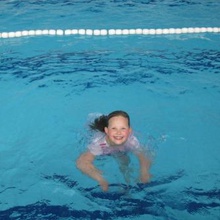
(98, 137)
(133, 139)
(97, 143)
(133, 142)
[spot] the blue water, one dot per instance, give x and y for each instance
(49, 85)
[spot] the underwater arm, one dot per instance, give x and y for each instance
(144, 167)
(85, 164)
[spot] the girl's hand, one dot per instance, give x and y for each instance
(104, 185)
(145, 177)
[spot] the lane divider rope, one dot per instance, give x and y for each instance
(104, 32)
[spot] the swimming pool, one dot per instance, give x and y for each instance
(49, 85)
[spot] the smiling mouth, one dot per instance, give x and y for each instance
(118, 138)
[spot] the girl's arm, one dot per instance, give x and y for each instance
(85, 164)
(144, 167)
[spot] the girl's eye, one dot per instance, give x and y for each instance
(116, 128)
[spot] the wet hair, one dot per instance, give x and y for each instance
(101, 122)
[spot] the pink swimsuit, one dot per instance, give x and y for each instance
(99, 145)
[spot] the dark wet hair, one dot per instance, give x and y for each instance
(101, 122)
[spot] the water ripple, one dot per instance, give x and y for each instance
(153, 199)
(97, 69)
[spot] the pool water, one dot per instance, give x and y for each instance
(50, 86)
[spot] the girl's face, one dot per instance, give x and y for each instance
(117, 131)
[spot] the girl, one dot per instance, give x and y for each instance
(116, 140)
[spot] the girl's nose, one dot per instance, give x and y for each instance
(118, 131)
